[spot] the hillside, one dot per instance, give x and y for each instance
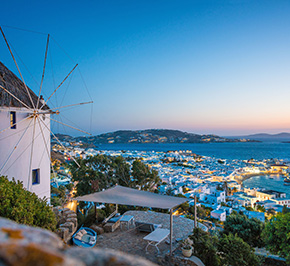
(153, 136)
(283, 135)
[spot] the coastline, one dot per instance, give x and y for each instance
(241, 178)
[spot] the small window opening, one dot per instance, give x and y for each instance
(35, 176)
(13, 120)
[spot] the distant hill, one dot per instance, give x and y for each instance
(62, 137)
(283, 135)
(153, 136)
(280, 137)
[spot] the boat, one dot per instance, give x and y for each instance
(286, 181)
(85, 237)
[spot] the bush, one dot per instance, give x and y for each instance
(235, 252)
(277, 235)
(205, 247)
(222, 251)
(249, 230)
(23, 206)
(90, 218)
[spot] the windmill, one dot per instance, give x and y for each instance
(25, 128)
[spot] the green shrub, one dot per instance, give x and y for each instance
(23, 206)
(205, 247)
(235, 252)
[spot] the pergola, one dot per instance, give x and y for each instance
(133, 197)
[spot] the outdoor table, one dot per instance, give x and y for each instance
(126, 220)
(156, 237)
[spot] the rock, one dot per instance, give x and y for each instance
(180, 260)
(69, 225)
(22, 245)
(66, 212)
(74, 221)
(106, 257)
(63, 233)
(66, 218)
(16, 254)
(72, 215)
(99, 230)
(24, 234)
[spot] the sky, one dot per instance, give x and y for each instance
(220, 67)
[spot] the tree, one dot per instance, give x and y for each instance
(277, 235)
(205, 247)
(144, 177)
(121, 170)
(93, 174)
(223, 250)
(201, 212)
(102, 172)
(271, 212)
(23, 206)
(235, 252)
(59, 197)
(260, 208)
(285, 209)
(248, 229)
(69, 186)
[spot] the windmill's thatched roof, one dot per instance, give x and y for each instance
(14, 85)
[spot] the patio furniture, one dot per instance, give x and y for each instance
(156, 237)
(146, 227)
(85, 237)
(134, 197)
(126, 220)
(112, 224)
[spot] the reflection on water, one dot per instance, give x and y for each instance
(274, 182)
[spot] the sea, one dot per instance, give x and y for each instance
(231, 151)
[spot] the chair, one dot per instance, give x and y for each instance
(146, 227)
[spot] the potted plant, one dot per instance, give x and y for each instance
(186, 248)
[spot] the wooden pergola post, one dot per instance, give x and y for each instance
(195, 212)
(171, 230)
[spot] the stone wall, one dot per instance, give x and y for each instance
(22, 245)
(180, 260)
(67, 223)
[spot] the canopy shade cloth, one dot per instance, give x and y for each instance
(129, 196)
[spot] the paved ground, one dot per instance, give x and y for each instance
(131, 242)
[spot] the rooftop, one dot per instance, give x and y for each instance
(10, 82)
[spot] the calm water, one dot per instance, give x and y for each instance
(274, 182)
(242, 151)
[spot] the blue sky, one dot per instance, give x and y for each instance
(217, 67)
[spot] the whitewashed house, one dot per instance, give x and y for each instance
(25, 135)
(219, 215)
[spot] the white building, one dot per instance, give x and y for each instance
(23, 126)
(219, 215)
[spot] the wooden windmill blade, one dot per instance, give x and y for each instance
(25, 129)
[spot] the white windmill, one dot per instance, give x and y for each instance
(25, 129)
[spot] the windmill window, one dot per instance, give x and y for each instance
(13, 120)
(35, 176)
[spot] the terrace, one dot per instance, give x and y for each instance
(132, 242)
(173, 228)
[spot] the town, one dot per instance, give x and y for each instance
(216, 182)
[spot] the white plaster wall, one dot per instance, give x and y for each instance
(18, 166)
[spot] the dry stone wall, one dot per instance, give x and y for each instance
(67, 223)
